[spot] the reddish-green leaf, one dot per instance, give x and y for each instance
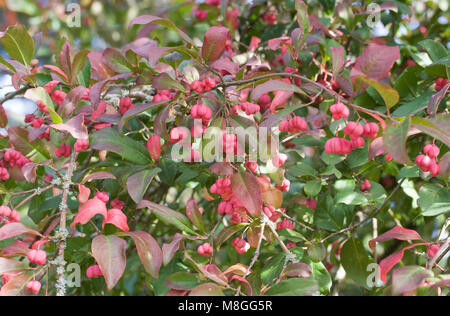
(214, 42)
(149, 251)
(247, 190)
(110, 254)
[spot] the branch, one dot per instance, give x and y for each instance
(13, 94)
(333, 93)
(255, 256)
(63, 233)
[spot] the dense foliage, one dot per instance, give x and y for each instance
(257, 147)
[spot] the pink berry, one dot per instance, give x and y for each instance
(94, 271)
(339, 110)
(205, 250)
(33, 286)
(354, 130)
(311, 203)
(81, 145)
(279, 159)
(431, 150)
(37, 256)
(432, 251)
(102, 196)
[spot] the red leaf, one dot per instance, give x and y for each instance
(3, 117)
(215, 42)
(58, 71)
(9, 265)
(90, 209)
(75, 126)
(16, 286)
(376, 148)
(248, 287)
(398, 233)
(85, 192)
(247, 190)
(15, 229)
(109, 252)
(71, 101)
(154, 147)
(221, 169)
(117, 218)
(273, 85)
(337, 58)
(376, 61)
(149, 251)
(389, 262)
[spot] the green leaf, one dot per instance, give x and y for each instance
(355, 261)
(169, 216)
(301, 169)
(322, 276)
(294, 287)
(109, 139)
(389, 95)
(351, 198)
(8, 65)
(302, 20)
(18, 43)
(434, 200)
(347, 185)
(435, 49)
(182, 281)
(227, 233)
(312, 188)
(273, 268)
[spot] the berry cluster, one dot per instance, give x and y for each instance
(205, 250)
(125, 104)
(240, 245)
(205, 85)
(163, 95)
(201, 112)
(11, 159)
(63, 151)
(285, 224)
(10, 216)
(247, 107)
(428, 162)
(365, 185)
(294, 125)
(356, 132)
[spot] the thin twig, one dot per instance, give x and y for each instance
(375, 213)
(255, 256)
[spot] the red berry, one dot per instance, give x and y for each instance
(102, 196)
(125, 104)
(370, 130)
